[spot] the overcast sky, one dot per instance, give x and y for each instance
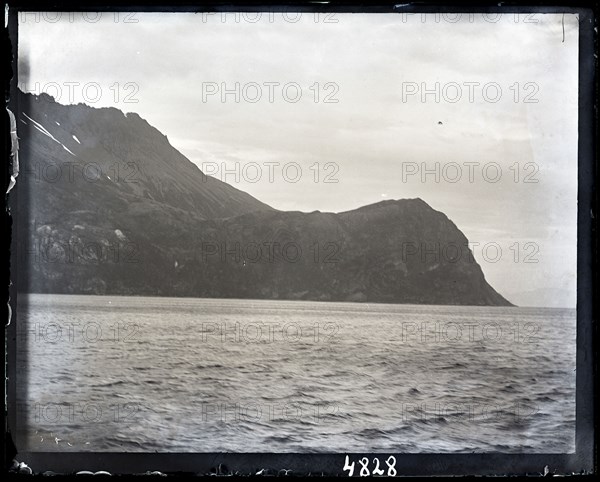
(381, 132)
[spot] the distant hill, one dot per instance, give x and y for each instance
(107, 206)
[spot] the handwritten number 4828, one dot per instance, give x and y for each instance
(364, 470)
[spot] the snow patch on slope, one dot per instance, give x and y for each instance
(44, 131)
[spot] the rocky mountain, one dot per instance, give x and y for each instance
(119, 158)
(107, 206)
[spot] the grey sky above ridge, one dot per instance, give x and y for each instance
(375, 135)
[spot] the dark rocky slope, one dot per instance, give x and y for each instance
(158, 226)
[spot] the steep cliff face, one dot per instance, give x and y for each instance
(117, 156)
(108, 206)
(396, 252)
(417, 254)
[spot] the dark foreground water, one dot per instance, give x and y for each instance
(198, 375)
